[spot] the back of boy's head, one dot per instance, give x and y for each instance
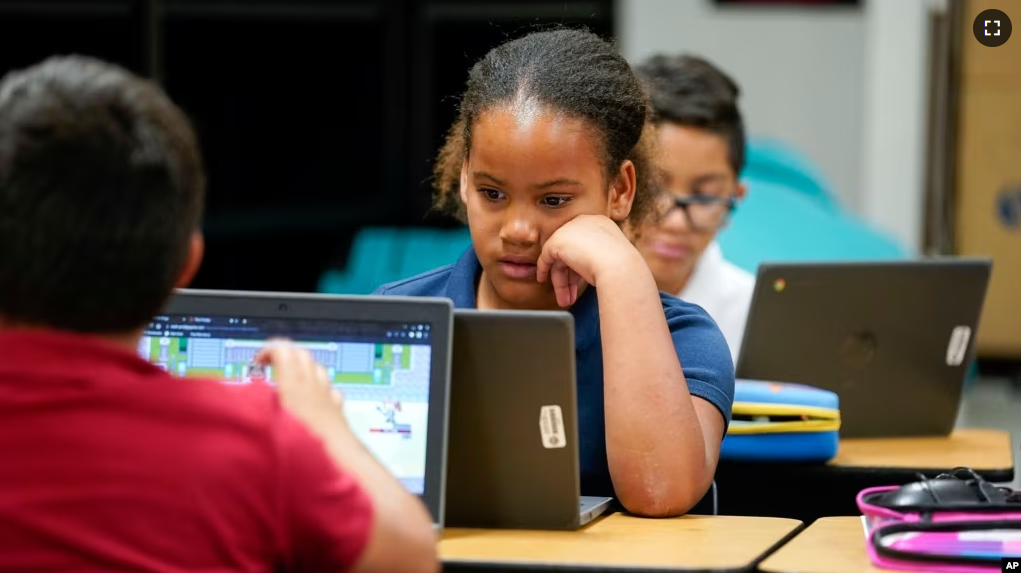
(692, 92)
(568, 71)
(101, 190)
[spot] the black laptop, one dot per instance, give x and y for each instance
(893, 339)
(514, 453)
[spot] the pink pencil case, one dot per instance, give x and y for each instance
(953, 523)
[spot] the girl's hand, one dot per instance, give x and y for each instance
(584, 249)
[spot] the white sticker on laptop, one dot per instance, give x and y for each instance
(551, 427)
(958, 345)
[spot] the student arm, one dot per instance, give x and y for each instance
(662, 441)
(402, 538)
(341, 520)
(348, 513)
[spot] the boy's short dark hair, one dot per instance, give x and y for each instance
(692, 92)
(101, 189)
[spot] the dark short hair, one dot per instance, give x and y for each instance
(101, 188)
(692, 92)
(574, 72)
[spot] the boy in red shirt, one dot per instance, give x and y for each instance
(106, 462)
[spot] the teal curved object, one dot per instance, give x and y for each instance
(777, 224)
(791, 214)
(773, 161)
(385, 254)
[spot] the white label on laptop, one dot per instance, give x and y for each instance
(958, 345)
(551, 427)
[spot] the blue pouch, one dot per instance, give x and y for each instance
(782, 422)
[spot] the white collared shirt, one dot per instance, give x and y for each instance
(724, 290)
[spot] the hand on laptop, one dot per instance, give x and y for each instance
(304, 386)
(402, 539)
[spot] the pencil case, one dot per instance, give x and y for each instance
(954, 523)
(782, 422)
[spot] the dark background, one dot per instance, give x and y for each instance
(316, 117)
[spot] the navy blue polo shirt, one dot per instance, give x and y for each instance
(701, 348)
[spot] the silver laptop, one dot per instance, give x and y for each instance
(893, 339)
(390, 356)
(513, 460)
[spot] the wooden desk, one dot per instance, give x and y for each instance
(622, 542)
(830, 545)
(807, 492)
(981, 450)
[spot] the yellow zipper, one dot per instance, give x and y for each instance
(784, 427)
(814, 418)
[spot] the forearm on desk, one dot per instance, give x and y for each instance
(654, 440)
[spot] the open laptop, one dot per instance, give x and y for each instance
(893, 339)
(390, 356)
(513, 460)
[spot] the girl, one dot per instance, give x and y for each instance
(545, 163)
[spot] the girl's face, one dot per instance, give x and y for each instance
(528, 172)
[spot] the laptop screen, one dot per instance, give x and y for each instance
(382, 369)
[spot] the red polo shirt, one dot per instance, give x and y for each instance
(107, 463)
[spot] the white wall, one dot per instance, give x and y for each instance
(894, 128)
(843, 84)
(800, 70)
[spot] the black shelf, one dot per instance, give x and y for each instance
(33, 31)
(316, 117)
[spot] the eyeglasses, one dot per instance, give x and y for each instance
(704, 212)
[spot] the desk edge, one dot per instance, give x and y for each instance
(755, 566)
(593, 567)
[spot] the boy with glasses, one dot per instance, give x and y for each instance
(702, 142)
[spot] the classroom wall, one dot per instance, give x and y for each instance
(894, 130)
(850, 92)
